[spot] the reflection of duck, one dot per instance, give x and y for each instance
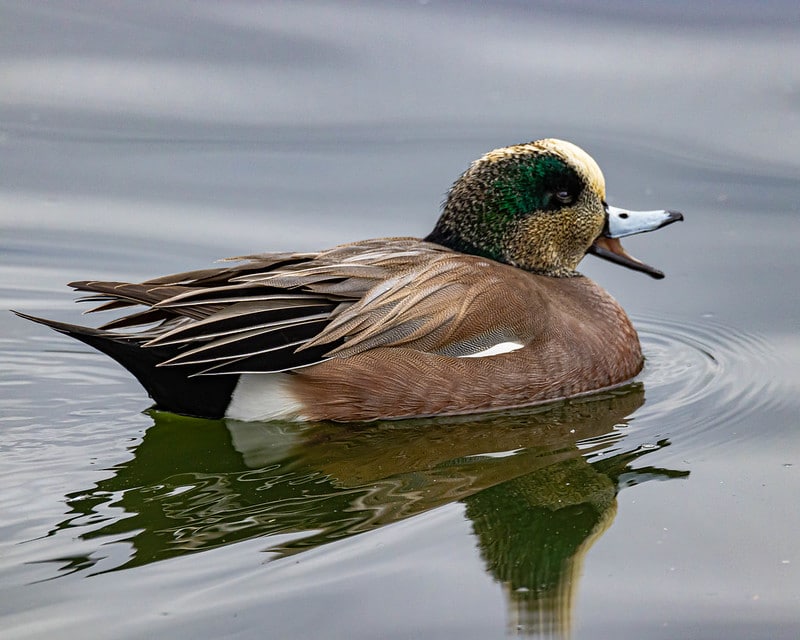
(487, 313)
(535, 498)
(535, 530)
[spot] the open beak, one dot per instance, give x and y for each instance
(620, 223)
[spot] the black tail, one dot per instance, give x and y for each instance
(170, 387)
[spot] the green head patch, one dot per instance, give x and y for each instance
(527, 190)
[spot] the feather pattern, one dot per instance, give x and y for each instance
(277, 312)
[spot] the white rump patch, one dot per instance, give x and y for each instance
(259, 397)
(496, 350)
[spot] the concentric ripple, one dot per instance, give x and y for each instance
(704, 376)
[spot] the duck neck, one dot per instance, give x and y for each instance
(447, 236)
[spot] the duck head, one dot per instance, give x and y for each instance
(541, 206)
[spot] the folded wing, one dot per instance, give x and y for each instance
(278, 312)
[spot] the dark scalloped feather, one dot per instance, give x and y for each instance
(147, 316)
(285, 358)
(252, 342)
(235, 320)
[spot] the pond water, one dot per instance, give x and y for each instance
(148, 138)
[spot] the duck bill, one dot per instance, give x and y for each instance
(621, 223)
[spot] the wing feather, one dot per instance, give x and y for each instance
(278, 312)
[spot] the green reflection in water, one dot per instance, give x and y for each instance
(539, 487)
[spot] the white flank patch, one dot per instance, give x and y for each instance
(259, 397)
(496, 350)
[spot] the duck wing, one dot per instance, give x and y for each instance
(279, 312)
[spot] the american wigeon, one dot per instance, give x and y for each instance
(487, 312)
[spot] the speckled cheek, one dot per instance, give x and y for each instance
(590, 222)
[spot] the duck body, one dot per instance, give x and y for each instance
(578, 340)
(486, 313)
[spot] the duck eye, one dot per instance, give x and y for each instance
(563, 196)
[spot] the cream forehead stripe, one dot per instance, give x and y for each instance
(584, 163)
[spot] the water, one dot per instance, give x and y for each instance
(146, 139)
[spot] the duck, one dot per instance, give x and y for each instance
(486, 313)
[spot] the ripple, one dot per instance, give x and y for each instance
(702, 377)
